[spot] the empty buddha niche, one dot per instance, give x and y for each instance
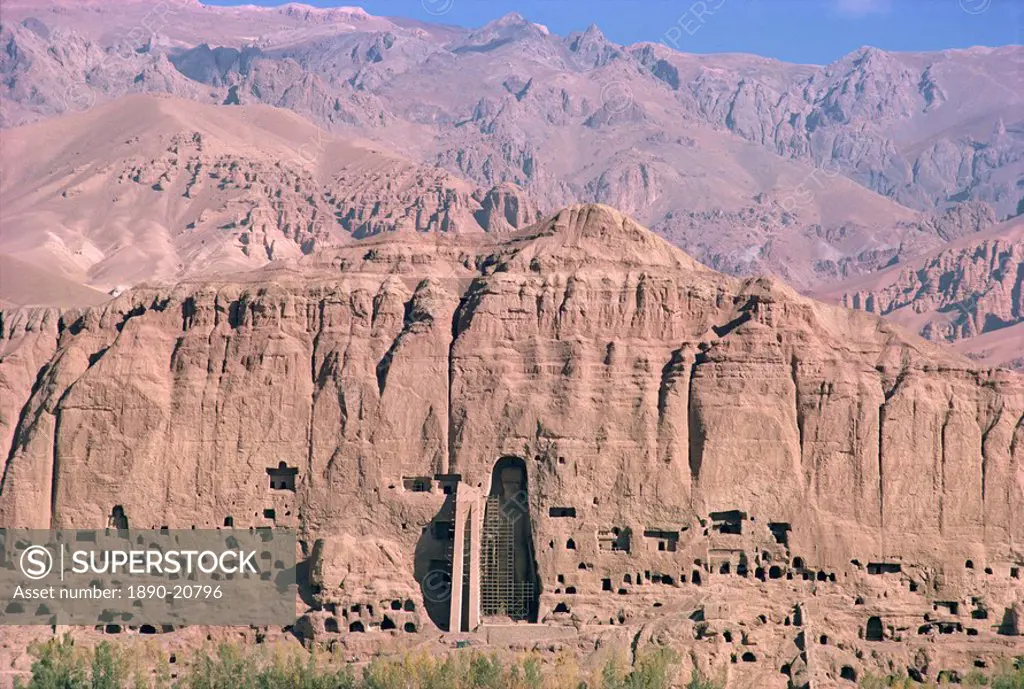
(509, 586)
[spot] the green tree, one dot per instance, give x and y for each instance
(57, 666)
(108, 669)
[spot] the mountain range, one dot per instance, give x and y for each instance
(730, 333)
(821, 175)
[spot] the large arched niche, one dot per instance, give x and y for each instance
(510, 586)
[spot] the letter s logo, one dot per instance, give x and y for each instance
(36, 562)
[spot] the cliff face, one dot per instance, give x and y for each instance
(643, 391)
(588, 337)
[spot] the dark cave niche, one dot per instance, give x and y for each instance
(874, 630)
(433, 565)
(509, 584)
(884, 568)
(728, 522)
(117, 519)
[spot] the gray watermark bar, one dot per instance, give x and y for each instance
(140, 576)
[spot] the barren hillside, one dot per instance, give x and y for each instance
(968, 293)
(154, 188)
(926, 129)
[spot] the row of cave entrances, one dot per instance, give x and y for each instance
(145, 629)
(875, 629)
(1014, 571)
(354, 619)
(760, 573)
(331, 625)
(509, 583)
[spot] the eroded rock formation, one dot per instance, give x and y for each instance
(153, 189)
(969, 293)
(787, 490)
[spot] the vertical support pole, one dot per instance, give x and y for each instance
(462, 505)
(476, 521)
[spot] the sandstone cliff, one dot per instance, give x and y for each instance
(726, 451)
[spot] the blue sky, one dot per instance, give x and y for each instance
(813, 31)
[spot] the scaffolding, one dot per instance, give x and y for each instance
(500, 594)
(466, 544)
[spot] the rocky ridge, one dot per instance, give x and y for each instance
(955, 294)
(926, 129)
(745, 162)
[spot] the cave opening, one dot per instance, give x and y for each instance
(282, 477)
(884, 568)
(728, 522)
(118, 519)
(874, 631)
(780, 531)
(508, 573)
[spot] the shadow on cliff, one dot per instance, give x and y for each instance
(432, 563)
(304, 579)
(307, 589)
